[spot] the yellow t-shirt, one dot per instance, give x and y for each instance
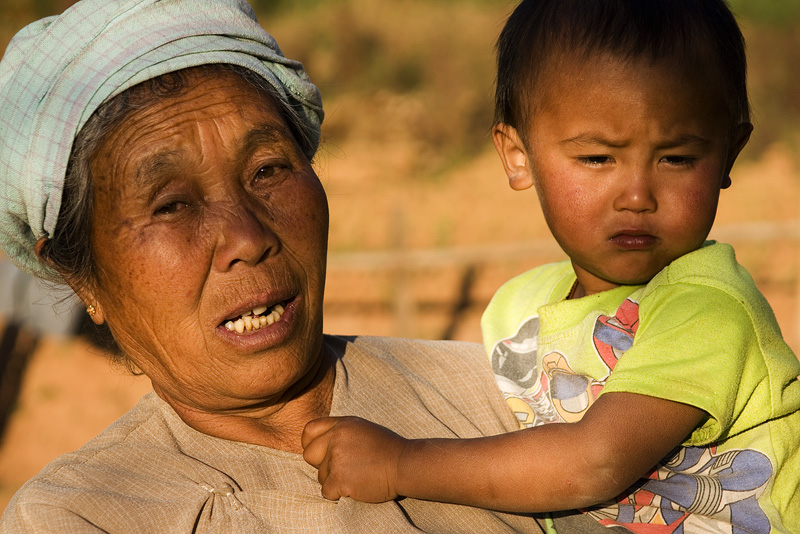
(699, 333)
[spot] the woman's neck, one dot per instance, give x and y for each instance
(277, 424)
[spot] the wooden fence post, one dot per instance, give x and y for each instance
(403, 305)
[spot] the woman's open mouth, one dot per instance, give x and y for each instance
(256, 319)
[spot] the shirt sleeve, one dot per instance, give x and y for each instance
(696, 345)
(33, 518)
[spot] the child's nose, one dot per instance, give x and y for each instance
(636, 193)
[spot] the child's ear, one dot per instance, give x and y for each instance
(86, 294)
(513, 155)
(741, 135)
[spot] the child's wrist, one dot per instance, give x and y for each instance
(404, 467)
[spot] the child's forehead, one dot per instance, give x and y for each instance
(566, 64)
(620, 98)
(681, 78)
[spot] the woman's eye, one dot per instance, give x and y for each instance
(171, 208)
(267, 171)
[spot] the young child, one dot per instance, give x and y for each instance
(676, 398)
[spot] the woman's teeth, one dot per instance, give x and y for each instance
(254, 321)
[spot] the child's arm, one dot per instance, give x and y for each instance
(552, 467)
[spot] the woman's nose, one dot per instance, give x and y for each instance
(636, 193)
(243, 237)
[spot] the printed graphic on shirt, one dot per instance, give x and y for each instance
(516, 373)
(614, 335)
(556, 392)
(697, 490)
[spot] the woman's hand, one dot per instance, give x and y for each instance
(355, 458)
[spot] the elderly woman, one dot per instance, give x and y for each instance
(156, 156)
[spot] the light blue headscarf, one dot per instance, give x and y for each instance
(57, 71)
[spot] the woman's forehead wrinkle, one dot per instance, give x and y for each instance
(143, 135)
(160, 162)
(171, 157)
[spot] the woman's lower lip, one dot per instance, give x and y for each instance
(633, 242)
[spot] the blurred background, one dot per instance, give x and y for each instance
(423, 225)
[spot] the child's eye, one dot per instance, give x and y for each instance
(678, 161)
(595, 161)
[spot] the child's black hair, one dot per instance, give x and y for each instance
(700, 33)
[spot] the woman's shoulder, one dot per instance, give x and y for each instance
(69, 489)
(416, 356)
(144, 419)
(401, 382)
(133, 477)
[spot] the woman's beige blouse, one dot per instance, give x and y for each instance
(149, 472)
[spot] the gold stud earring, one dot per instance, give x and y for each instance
(91, 311)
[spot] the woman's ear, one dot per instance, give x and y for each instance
(513, 155)
(86, 294)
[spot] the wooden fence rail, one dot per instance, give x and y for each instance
(401, 271)
(432, 258)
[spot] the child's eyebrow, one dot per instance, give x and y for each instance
(594, 140)
(688, 140)
(682, 141)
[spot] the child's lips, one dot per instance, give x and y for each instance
(632, 240)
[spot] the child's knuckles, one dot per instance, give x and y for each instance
(326, 475)
(349, 422)
(330, 492)
(308, 436)
(339, 450)
(346, 489)
(314, 454)
(319, 426)
(310, 430)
